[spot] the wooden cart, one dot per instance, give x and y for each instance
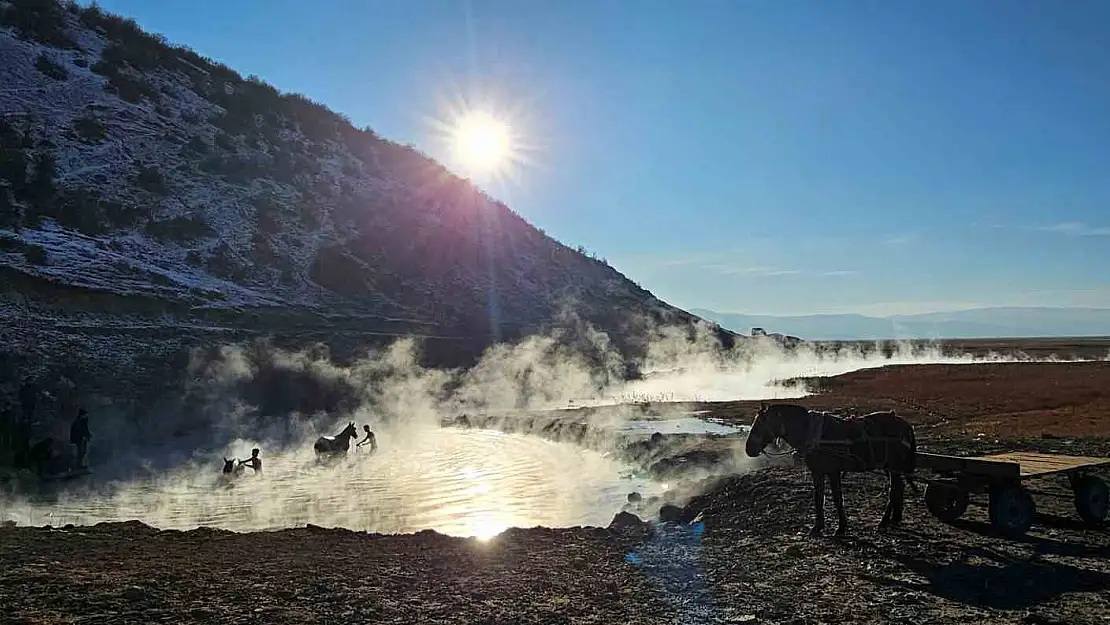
(1001, 476)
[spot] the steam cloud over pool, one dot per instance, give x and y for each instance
(757, 375)
(458, 482)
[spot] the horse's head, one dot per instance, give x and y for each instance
(229, 465)
(766, 427)
(350, 430)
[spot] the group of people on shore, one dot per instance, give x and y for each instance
(17, 448)
(16, 435)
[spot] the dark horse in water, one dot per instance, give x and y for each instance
(231, 467)
(831, 445)
(338, 444)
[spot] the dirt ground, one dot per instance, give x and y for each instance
(742, 554)
(994, 400)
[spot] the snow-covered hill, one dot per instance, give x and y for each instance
(133, 167)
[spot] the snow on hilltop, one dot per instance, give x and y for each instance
(132, 166)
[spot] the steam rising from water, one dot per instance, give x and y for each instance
(470, 483)
(465, 483)
(758, 374)
(543, 372)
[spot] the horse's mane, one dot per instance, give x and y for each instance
(788, 408)
(784, 406)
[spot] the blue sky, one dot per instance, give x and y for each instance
(766, 157)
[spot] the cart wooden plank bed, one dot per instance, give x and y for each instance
(1011, 508)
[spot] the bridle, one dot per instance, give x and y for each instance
(780, 454)
(778, 436)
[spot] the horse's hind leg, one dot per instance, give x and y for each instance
(838, 501)
(898, 498)
(818, 503)
(888, 511)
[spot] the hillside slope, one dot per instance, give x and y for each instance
(132, 171)
(155, 205)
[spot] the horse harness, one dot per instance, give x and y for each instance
(843, 446)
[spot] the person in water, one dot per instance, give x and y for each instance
(369, 439)
(254, 461)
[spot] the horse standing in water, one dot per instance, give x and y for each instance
(232, 467)
(831, 445)
(230, 474)
(338, 444)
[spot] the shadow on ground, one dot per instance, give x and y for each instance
(988, 578)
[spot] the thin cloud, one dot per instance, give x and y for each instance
(745, 270)
(679, 261)
(657, 260)
(898, 239)
(719, 263)
(1076, 229)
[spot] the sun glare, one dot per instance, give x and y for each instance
(485, 529)
(482, 143)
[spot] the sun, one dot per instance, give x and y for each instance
(490, 144)
(482, 144)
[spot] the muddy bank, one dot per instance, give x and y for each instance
(126, 573)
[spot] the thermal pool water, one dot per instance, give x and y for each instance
(458, 482)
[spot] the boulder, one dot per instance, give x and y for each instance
(670, 514)
(624, 521)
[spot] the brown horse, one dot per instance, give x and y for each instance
(831, 445)
(336, 445)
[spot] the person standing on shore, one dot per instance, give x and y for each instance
(79, 436)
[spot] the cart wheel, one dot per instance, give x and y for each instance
(947, 502)
(1092, 499)
(1011, 511)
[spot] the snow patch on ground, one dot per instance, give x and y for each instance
(96, 263)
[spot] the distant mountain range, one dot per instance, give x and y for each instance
(974, 323)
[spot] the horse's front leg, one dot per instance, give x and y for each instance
(818, 502)
(838, 501)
